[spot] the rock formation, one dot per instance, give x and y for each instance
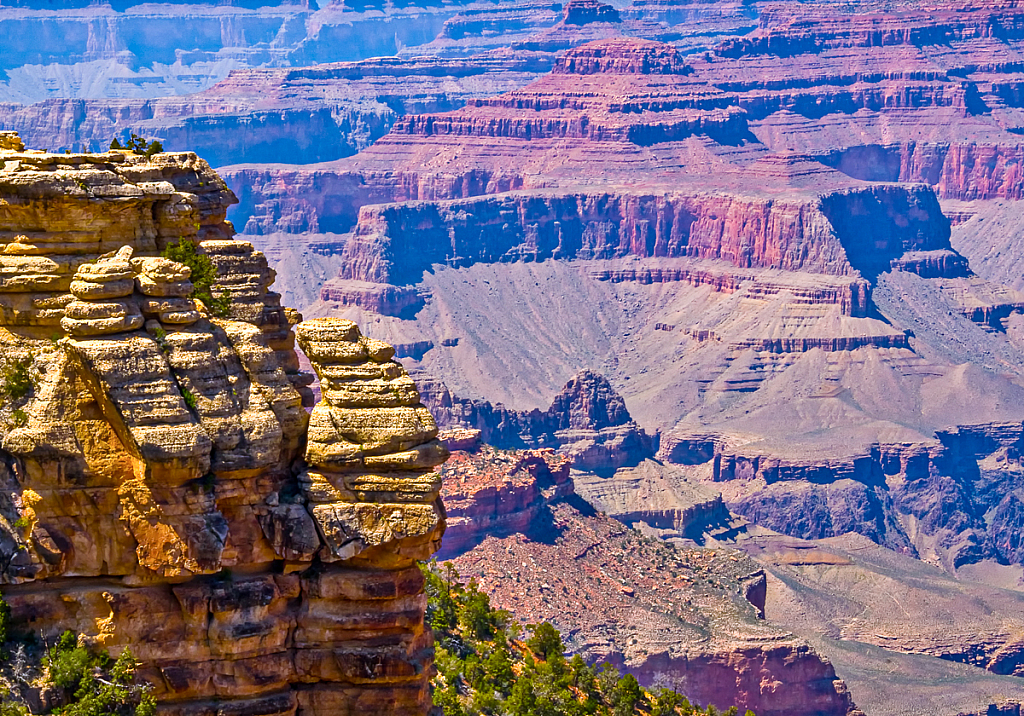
(764, 234)
(164, 488)
(496, 493)
(312, 114)
(684, 617)
(755, 276)
(74, 50)
(587, 421)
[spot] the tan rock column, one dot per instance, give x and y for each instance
(371, 449)
(166, 287)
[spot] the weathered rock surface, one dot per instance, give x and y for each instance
(497, 493)
(163, 486)
(587, 421)
(682, 617)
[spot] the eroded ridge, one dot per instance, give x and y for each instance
(163, 487)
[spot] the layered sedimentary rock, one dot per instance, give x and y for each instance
(587, 421)
(74, 50)
(164, 488)
(371, 449)
(685, 617)
(747, 288)
(495, 493)
(845, 587)
(306, 114)
(737, 243)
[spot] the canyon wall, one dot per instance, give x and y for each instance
(163, 487)
(587, 421)
(269, 115)
(134, 49)
(543, 554)
(745, 232)
(956, 497)
(965, 172)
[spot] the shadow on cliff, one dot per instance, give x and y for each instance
(545, 530)
(542, 529)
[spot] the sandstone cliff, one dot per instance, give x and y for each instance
(163, 487)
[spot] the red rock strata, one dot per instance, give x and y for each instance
(498, 493)
(657, 611)
(630, 113)
(305, 114)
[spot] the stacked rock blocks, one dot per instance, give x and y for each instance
(104, 302)
(371, 448)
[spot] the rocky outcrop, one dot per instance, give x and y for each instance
(1002, 708)
(587, 421)
(496, 493)
(965, 171)
(658, 496)
(163, 487)
(852, 296)
(50, 224)
(583, 12)
(623, 56)
(783, 33)
(583, 572)
(371, 448)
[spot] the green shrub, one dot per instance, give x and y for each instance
(18, 381)
(116, 695)
(88, 683)
(483, 669)
(204, 274)
(5, 620)
(545, 641)
(66, 662)
(138, 145)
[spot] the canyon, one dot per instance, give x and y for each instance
(780, 259)
(734, 285)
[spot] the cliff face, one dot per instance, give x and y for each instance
(266, 115)
(962, 171)
(163, 487)
(544, 555)
(780, 33)
(587, 421)
(836, 235)
(493, 493)
(136, 49)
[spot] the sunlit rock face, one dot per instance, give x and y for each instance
(164, 487)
